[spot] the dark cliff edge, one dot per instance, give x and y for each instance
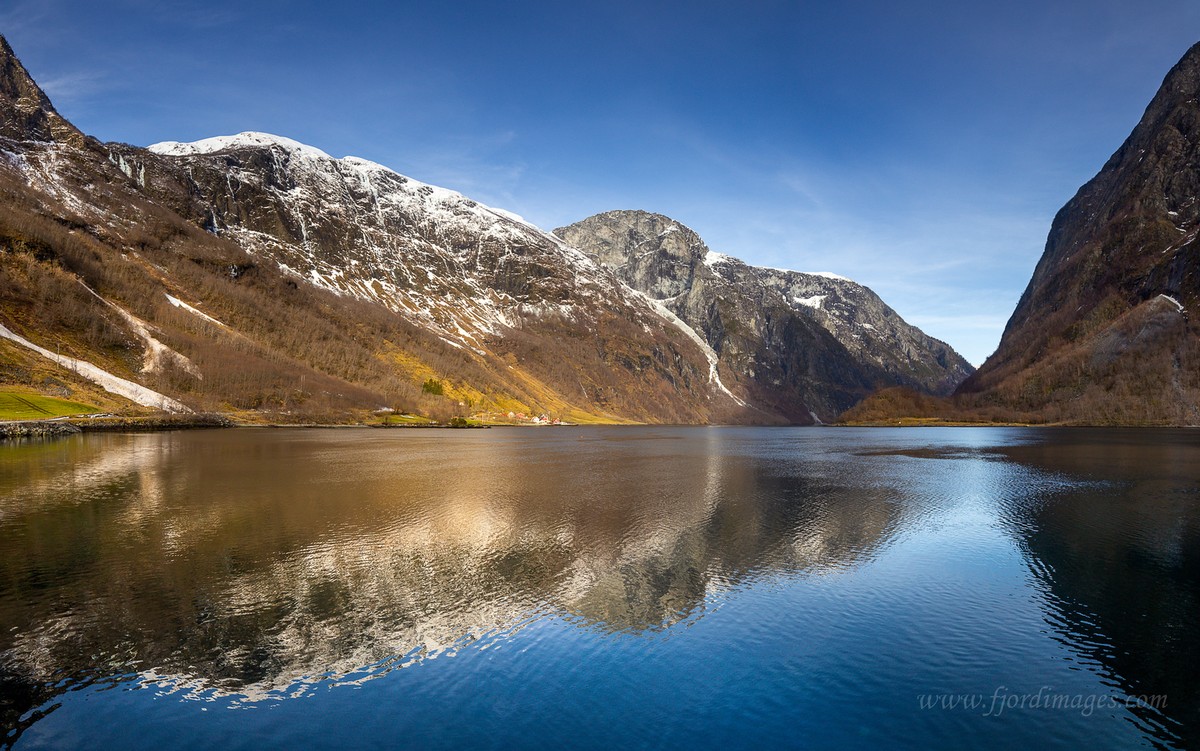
(1106, 332)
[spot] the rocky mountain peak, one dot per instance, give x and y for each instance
(808, 345)
(641, 246)
(26, 113)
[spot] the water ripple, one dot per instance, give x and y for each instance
(720, 587)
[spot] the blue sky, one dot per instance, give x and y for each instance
(920, 148)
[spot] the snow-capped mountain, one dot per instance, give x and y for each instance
(264, 275)
(482, 279)
(807, 344)
(253, 272)
(467, 271)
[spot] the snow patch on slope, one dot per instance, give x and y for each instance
(1178, 305)
(113, 384)
(156, 352)
(44, 172)
(708, 351)
(712, 258)
(199, 313)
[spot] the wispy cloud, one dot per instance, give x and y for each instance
(182, 13)
(72, 87)
(25, 17)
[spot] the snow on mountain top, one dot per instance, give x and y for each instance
(822, 274)
(430, 195)
(247, 139)
(391, 201)
(366, 164)
(828, 275)
(254, 140)
(515, 217)
(712, 258)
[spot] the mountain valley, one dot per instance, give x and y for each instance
(259, 277)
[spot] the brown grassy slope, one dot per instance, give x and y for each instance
(290, 347)
(1143, 368)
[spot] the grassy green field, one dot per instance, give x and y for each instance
(16, 405)
(397, 419)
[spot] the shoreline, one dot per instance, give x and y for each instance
(66, 426)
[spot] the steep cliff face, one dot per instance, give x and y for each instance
(808, 345)
(1105, 331)
(26, 113)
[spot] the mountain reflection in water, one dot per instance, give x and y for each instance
(256, 564)
(600, 587)
(1119, 555)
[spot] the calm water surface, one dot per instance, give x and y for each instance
(600, 587)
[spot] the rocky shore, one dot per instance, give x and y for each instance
(64, 427)
(37, 429)
(151, 424)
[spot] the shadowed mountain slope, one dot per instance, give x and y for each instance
(805, 345)
(1106, 332)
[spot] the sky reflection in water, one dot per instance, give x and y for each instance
(610, 586)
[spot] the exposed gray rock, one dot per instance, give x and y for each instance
(36, 429)
(806, 345)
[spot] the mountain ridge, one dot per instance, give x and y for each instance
(139, 262)
(27, 112)
(254, 273)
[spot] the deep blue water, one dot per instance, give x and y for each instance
(602, 587)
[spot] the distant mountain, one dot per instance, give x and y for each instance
(1106, 332)
(804, 345)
